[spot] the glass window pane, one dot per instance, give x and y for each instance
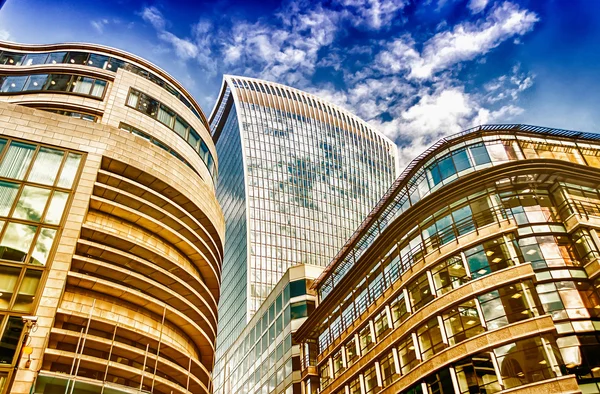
(39, 255)
(67, 175)
(56, 207)
(82, 85)
(16, 161)
(56, 57)
(11, 58)
(35, 58)
(461, 160)
(193, 139)
(8, 280)
(31, 203)
(98, 88)
(10, 339)
(36, 82)
(77, 57)
(166, 116)
(13, 84)
(27, 290)
(147, 105)
(133, 98)
(480, 154)
(46, 165)
(16, 241)
(58, 82)
(96, 60)
(181, 127)
(8, 192)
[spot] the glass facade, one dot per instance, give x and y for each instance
(263, 357)
(68, 83)
(36, 184)
(500, 248)
(304, 174)
(157, 110)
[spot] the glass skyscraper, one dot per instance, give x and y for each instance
(298, 176)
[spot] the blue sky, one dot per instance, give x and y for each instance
(416, 70)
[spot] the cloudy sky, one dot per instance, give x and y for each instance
(416, 70)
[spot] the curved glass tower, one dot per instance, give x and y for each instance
(298, 175)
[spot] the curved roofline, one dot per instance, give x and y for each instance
(227, 79)
(413, 166)
(69, 46)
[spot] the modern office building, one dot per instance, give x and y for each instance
(298, 175)
(111, 237)
(479, 273)
(263, 359)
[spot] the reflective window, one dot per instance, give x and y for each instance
(388, 369)
(448, 275)
(430, 339)
(462, 322)
(407, 355)
(53, 82)
(488, 257)
(528, 361)
(508, 304)
(155, 109)
(476, 374)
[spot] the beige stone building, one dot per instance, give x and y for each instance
(111, 238)
(477, 273)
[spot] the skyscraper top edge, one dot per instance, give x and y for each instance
(229, 80)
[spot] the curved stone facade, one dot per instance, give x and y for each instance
(127, 299)
(477, 273)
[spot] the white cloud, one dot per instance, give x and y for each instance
(373, 14)
(463, 43)
(153, 16)
(5, 35)
(99, 24)
(184, 49)
(476, 6)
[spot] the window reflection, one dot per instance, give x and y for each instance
(31, 203)
(43, 245)
(27, 290)
(462, 322)
(8, 192)
(528, 361)
(16, 160)
(488, 257)
(8, 280)
(10, 339)
(508, 304)
(476, 374)
(16, 241)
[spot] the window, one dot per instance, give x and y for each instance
(338, 366)
(53, 82)
(399, 311)
(354, 386)
(528, 361)
(381, 324)
(153, 108)
(366, 339)
(488, 257)
(370, 377)
(448, 275)
(388, 369)
(547, 251)
(407, 355)
(462, 322)
(508, 304)
(351, 352)
(324, 375)
(419, 292)
(430, 339)
(476, 374)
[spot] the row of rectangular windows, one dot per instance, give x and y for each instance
(92, 60)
